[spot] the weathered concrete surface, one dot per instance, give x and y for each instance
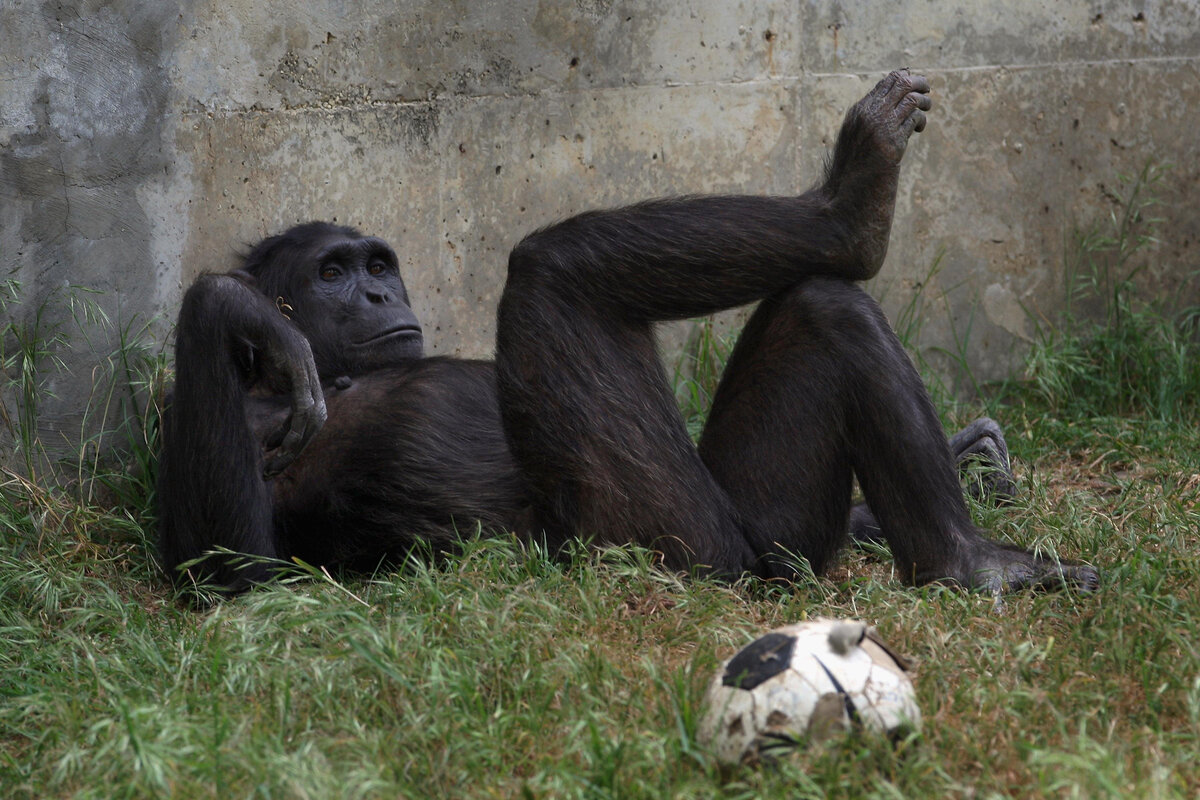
(84, 110)
(1039, 108)
(141, 144)
(501, 167)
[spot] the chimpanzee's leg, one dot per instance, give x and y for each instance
(816, 388)
(818, 385)
(586, 407)
(590, 418)
(594, 426)
(981, 454)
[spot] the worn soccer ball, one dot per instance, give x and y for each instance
(806, 682)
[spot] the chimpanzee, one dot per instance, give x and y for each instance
(305, 421)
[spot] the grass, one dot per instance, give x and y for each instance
(503, 673)
(1111, 351)
(698, 371)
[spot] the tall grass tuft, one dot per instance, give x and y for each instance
(99, 488)
(29, 347)
(1112, 351)
(121, 461)
(698, 372)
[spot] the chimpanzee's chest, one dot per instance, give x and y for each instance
(404, 455)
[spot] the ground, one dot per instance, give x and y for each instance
(501, 673)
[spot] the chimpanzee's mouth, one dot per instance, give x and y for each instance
(398, 332)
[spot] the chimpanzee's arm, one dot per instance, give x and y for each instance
(683, 257)
(212, 492)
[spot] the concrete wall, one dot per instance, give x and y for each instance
(142, 142)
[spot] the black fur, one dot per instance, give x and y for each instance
(306, 422)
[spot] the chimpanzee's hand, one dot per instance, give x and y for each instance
(285, 353)
(892, 112)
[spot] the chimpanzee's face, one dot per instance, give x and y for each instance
(350, 301)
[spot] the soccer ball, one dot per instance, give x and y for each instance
(806, 682)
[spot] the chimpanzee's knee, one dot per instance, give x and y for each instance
(841, 314)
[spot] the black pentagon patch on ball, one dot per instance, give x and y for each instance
(761, 659)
